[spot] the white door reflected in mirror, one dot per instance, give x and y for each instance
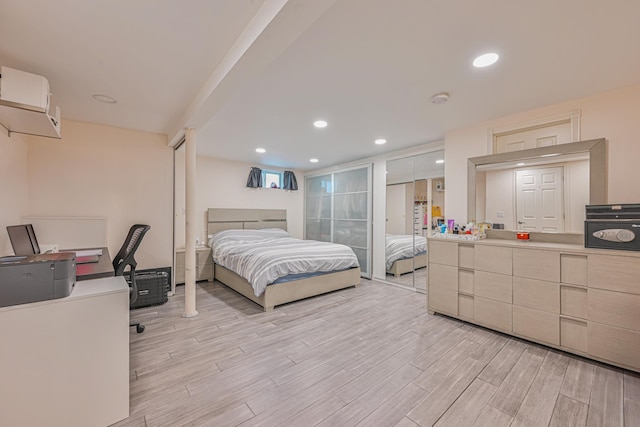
(540, 200)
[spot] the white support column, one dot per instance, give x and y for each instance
(191, 231)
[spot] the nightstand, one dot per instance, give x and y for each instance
(204, 264)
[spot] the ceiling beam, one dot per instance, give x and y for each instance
(276, 25)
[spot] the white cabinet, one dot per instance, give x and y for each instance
(65, 362)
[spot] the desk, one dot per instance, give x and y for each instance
(65, 362)
(94, 270)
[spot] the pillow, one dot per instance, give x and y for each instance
(246, 235)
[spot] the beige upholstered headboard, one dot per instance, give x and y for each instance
(219, 219)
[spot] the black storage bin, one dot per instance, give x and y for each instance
(152, 288)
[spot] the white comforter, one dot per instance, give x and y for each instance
(263, 256)
(401, 247)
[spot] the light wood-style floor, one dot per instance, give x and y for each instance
(369, 356)
(419, 276)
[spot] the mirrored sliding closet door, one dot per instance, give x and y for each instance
(338, 209)
(415, 202)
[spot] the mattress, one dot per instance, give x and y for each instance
(402, 247)
(264, 256)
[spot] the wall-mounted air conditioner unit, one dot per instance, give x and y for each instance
(25, 104)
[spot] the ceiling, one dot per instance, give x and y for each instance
(257, 73)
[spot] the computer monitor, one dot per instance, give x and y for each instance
(23, 239)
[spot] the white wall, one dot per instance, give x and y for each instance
(103, 171)
(14, 191)
(222, 184)
(578, 187)
(612, 115)
(499, 197)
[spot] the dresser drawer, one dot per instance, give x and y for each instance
(614, 308)
(443, 300)
(536, 324)
(444, 276)
(465, 255)
(615, 273)
(573, 269)
(573, 334)
(465, 281)
(204, 272)
(443, 252)
(493, 286)
(203, 256)
(573, 301)
(465, 306)
(614, 344)
(493, 259)
(493, 313)
(536, 294)
(536, 264)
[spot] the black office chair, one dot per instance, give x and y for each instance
(125, 258)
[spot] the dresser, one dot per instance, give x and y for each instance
(583, 301)
(204, 264)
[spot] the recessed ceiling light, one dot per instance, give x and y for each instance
(320, 124)
(104, 98)
(440, 98)
(520, 164)
(485, 60)
(314, 160)
(439, 161)
(260, 150)
(380, 141)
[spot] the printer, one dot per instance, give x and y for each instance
(32, 278)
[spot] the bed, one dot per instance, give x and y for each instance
(281, 292)
(402, 256)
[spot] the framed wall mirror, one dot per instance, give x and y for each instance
(415, 192)
(540, 189)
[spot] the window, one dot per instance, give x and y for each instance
(271, 179)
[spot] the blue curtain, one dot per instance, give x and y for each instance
(255, 178)
(289, 181)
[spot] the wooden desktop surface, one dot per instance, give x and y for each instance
(94, 270)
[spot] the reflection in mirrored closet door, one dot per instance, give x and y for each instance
(415, 202)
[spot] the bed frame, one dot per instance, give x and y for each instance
(219, 219)
(402, 266)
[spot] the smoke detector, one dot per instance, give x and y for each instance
(440, 98)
